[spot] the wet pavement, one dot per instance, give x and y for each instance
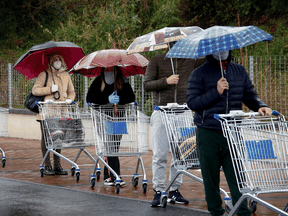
(24, 192)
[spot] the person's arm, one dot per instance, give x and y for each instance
(126, 94)
(151, 82)
(197, 98)
(38, 88)
(70, 89)
(95, 95)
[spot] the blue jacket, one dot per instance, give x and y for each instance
(203, 98)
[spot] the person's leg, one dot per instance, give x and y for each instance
(57, 166)
(208, 149)
(229, 172)
(47, 163)
(160, 148)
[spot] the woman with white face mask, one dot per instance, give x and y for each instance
(59, 87)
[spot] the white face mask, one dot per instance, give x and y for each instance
(57, 65)
(223, 55)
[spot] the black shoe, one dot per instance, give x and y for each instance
(59, 170)
(176, 197)
(48, 170)
(156, 201)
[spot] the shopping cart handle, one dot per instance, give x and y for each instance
(36, 102)
(217, 116)
(275, 113)
(156, 107)
(89, 104)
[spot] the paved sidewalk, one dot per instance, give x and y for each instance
(24, 158)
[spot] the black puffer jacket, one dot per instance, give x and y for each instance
(204, 99)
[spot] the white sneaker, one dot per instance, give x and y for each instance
(108, 182)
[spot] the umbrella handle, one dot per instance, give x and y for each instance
(58, 95)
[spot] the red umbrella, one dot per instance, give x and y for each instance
(35, 60)
(91, 64)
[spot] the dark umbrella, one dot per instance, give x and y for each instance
(36, 59)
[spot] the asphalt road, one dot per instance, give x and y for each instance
(26, 198)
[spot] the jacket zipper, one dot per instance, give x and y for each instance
(203, 117)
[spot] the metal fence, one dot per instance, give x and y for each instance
(269, 76)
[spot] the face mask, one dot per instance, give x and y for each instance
(57, 65)
(223, 55)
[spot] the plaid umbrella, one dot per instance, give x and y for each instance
(159, 39)
(216, 39)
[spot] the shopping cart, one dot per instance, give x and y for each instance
(181, 131)
(259, 150)
(66, 126)
(120, 131)
(3, 129)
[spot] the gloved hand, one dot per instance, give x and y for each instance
(114, 98)
(54, 88)
(68, 101)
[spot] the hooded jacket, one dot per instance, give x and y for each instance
(204, 99)
(159, 69)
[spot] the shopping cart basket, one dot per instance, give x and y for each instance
(3, 129)
(121, 132)
(65, 126)
(181, 133)
(258, 147)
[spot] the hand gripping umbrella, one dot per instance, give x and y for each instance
(35, 60)
(216, 39)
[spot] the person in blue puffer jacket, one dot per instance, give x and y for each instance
(208, 93)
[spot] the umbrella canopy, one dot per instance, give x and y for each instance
(159, 39)
(216, 39)
(35, 60)
(91, 64)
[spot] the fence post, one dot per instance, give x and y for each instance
(251, 68)
(85, 92)
(10, 85)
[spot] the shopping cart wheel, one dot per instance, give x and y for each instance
(3, 163)
(164, 202)
(98, 175)
(41, 173)
(144, 186)
(135, 181)
(77, 176)
(252, 206)
(92, 183)
(72, 171)
(117, 188)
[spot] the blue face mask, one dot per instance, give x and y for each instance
(223, 55)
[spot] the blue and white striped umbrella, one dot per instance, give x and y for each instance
(216, 39)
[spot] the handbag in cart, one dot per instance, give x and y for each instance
(31, 99)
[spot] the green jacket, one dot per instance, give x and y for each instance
(159, 69)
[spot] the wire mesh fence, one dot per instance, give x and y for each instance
(269, 75)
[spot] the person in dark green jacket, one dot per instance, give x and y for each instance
(167, 88)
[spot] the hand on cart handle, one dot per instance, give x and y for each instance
(265, 111)
(114, 98)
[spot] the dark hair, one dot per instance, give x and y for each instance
(119, 81)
